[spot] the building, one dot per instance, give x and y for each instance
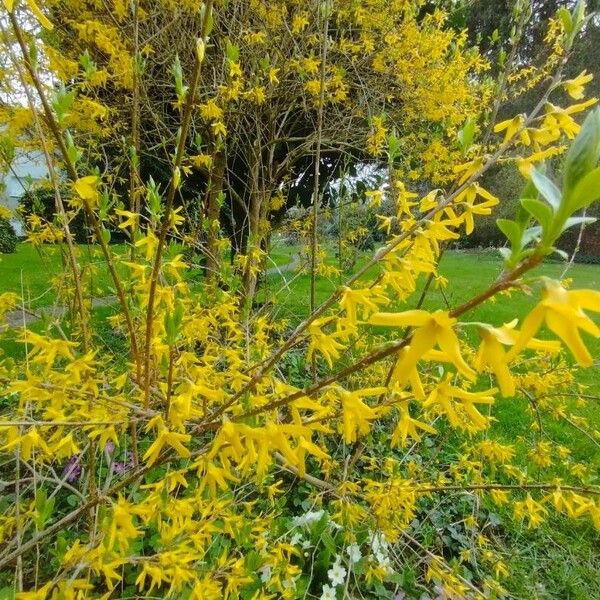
(27, 168)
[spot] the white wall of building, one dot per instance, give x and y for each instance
(27, 168)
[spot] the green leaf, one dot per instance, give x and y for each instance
(394, 147)
(328, 541)
(320, 527)
(232, 51)
(540, 211)
(546, 188)
(573, 221)
(561, 253)
(505, 253)
(586, 191)
(466, 135)
(253, 560)
(565, 18)
(105, 235)
(583, 154)
(62, 102)
(264, 63)
(511, 230)
(531, 234)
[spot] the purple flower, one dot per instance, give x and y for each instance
(120, 467)
(109, 446)
(72, 469)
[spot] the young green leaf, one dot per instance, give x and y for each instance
(586, 191)
(511, 230)
(546, 188)
(583, 154)
(573, 221)
(539, 210)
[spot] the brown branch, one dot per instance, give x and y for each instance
(183, 133)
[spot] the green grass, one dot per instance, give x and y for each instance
(30, 272)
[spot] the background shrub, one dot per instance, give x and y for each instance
(8, 237)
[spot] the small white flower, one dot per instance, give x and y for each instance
(337, 574)
(265, 573)
(328, 593)
(290, 584)
(308, 518)
(296, 539)
(306, 544)
(353, 552)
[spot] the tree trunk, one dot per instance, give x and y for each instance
(213, 210)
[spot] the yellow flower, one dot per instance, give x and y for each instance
(470, 208)
(201, 161)
(500, 497)
(531, 510)
(87, 189)
(365, 298)
(510, 126)
(443, 394)
(375, 197)
(311, 64)
(491, 353)
(131, 219)
(407, 427)
(35, 9)
(357, 415)
(433, 328)
(273, 73)
(210, 111)
(574, 87)
(323, 342)
(299, 23)
(27, 443)
(313, 86)
(169, 438)
(43, 592)
(235, 70)
(562, 311)
(219, 128)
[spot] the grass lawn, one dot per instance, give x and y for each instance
(30, 272)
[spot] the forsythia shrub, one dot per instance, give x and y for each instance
(187, 462)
